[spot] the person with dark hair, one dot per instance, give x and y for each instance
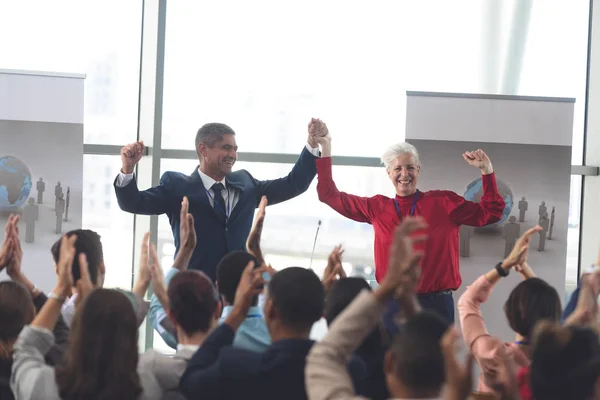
(565, 363)
(88, 242)
(16, 311)
(101, 361)
(252, 334)
(372, 350)
(222, 201)
(294, 302)
(530, 302)
(194, 310)
(414, 365)
(11, 257)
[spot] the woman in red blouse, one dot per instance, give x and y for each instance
(444, 211)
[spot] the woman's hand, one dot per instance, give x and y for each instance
(480, 160)
(519, 252)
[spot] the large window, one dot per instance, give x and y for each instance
(102, 214)
(101, 39)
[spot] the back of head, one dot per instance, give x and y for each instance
(531, 301)
(101, 361)
(229, 273)
(87, 242)
(298, 296)
(565, 362)
(16, 311)
(341, 294)
(419, 362)
(192, 301)
(211, 133)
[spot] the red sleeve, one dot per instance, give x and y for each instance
(360, 209)
(487, 211)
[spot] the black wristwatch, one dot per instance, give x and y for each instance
(501, 271)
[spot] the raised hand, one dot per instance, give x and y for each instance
(253, 241)
(403, 267)
(586, 310)
(6, 250)
(65, 266)
(251, 284)
(523, 266)
(519, 252)
(187, 237)
(131, 154)
(13, 269)
(480, 160)
(159, 285)
(459, 377)
(317, 130)
(144, 275)
(84, 284)
(334, 269)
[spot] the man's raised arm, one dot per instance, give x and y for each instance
(153, 201)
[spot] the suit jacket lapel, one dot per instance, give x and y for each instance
(200, 196)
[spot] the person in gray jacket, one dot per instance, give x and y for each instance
(102, 358)
(194, 310)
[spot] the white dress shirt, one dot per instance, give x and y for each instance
(230, 195)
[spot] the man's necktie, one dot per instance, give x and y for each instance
(219, 201)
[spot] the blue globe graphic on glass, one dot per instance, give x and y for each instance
(474, 192)
(15, 183)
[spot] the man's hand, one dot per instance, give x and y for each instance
(403, 267)
(143, 279)
(131, 154)
(459, 378)
(480, 160)
(187, 237)
(6, 250)
(84, 284)
(65, 266)
(253, 241)
(13, 269)
(159, 285)
(251, 284)
(519, 252)
(334, 269)
(318, 131)
(586, 310)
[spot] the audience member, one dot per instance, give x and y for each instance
(16, 311)
(372, 350)
(253, 333)
(294, 301)
(102, 357)
(414, 366)
(13, 254)
(531, 301)
(194, 310)
(565, 363)
(88, 243)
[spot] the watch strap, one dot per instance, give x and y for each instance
(501, 271)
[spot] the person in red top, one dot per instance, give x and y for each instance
(444, 211)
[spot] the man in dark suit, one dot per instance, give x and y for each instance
(221, 201)
(294, 301)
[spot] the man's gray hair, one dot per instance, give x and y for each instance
(398, 149)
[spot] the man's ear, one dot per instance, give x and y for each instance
(218, 310)
(201, 149)
(171, 318)
(269, 310)
(389, 362)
